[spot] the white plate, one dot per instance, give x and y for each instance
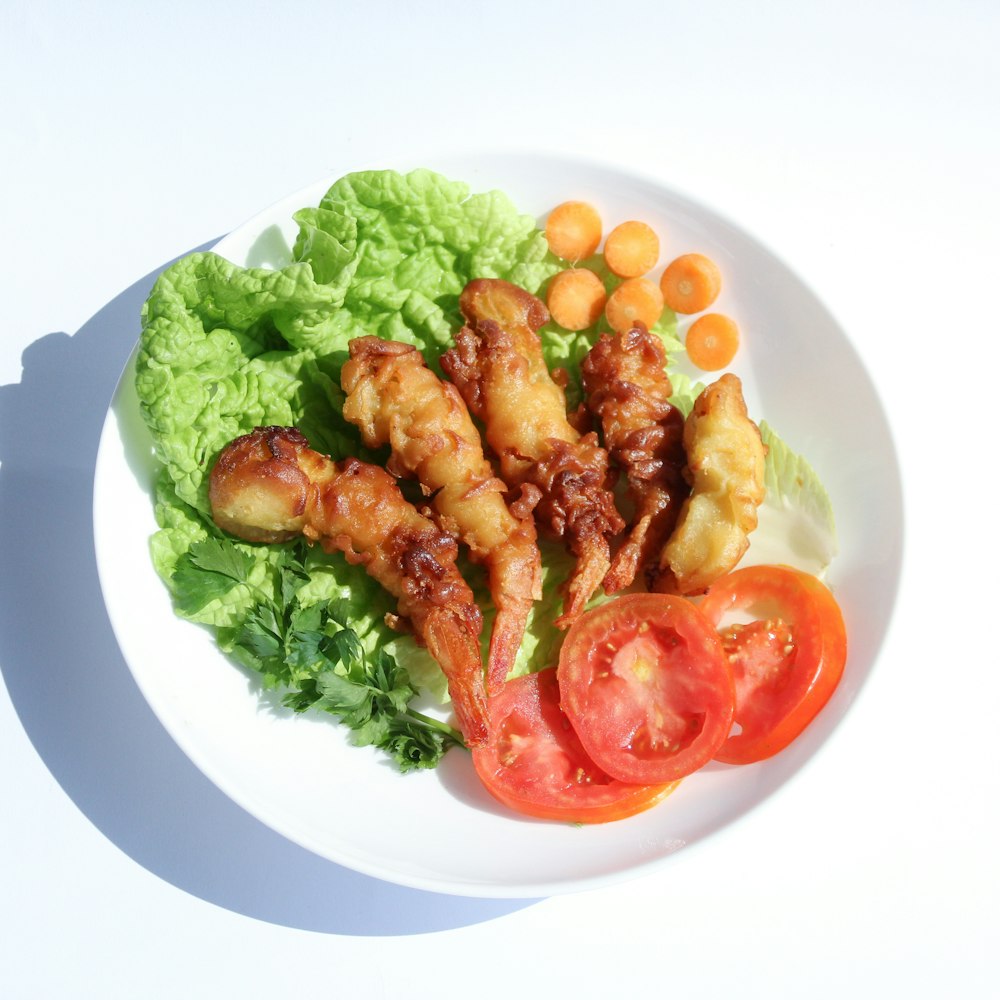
(439, 830)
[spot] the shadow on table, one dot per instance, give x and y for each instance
(76, 697)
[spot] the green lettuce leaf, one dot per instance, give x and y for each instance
(684, 391)
(796, 522)
(226, 348)
(222, 351)
(404, 246)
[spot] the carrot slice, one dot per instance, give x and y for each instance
(576, 298)
(637, 299)
(573, 230)
(631, 249)
(712, 341)
(690, 283)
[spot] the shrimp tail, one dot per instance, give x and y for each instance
(453, 641)
(593, 561)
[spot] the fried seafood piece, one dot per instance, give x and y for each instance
(395, 399)
(270, 486)
(725, 458)
(628, 392)
(498, 367)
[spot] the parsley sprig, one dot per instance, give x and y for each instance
(312, 651)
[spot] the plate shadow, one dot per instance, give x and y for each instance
(75, 695)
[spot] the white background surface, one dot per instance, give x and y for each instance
(860, 141)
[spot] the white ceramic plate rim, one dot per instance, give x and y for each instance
(245, 745)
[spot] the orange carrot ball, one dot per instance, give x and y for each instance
(637, 299)
(712, 341)
(573, 230)
(631, 249)
(576, 298)
(690, 283)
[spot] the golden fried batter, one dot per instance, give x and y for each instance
(395, 399)
(725, 457)
(269, 486)
(498, 367)
(628, 391)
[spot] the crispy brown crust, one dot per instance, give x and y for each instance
(424, 561)
(575, 503)
(628, 392)
(462, 365)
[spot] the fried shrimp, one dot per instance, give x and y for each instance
(269, 486)
(498, 367)
(725, 459)
(628, 392)
(395, 399)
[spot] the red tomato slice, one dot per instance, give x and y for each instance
(645, 683)
(786, 662)
(535, 764)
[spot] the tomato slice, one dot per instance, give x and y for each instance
(645, 683)
(786, 661)
(534, 761)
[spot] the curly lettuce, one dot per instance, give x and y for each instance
(226, 348)
(795, 523)
(404, 246)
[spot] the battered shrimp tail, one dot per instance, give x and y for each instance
(269, 486)
(395, 399)
(498, 366)
(725, 465)
(578, 507)
(455, 646)
(515, 584)
(628, 391)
